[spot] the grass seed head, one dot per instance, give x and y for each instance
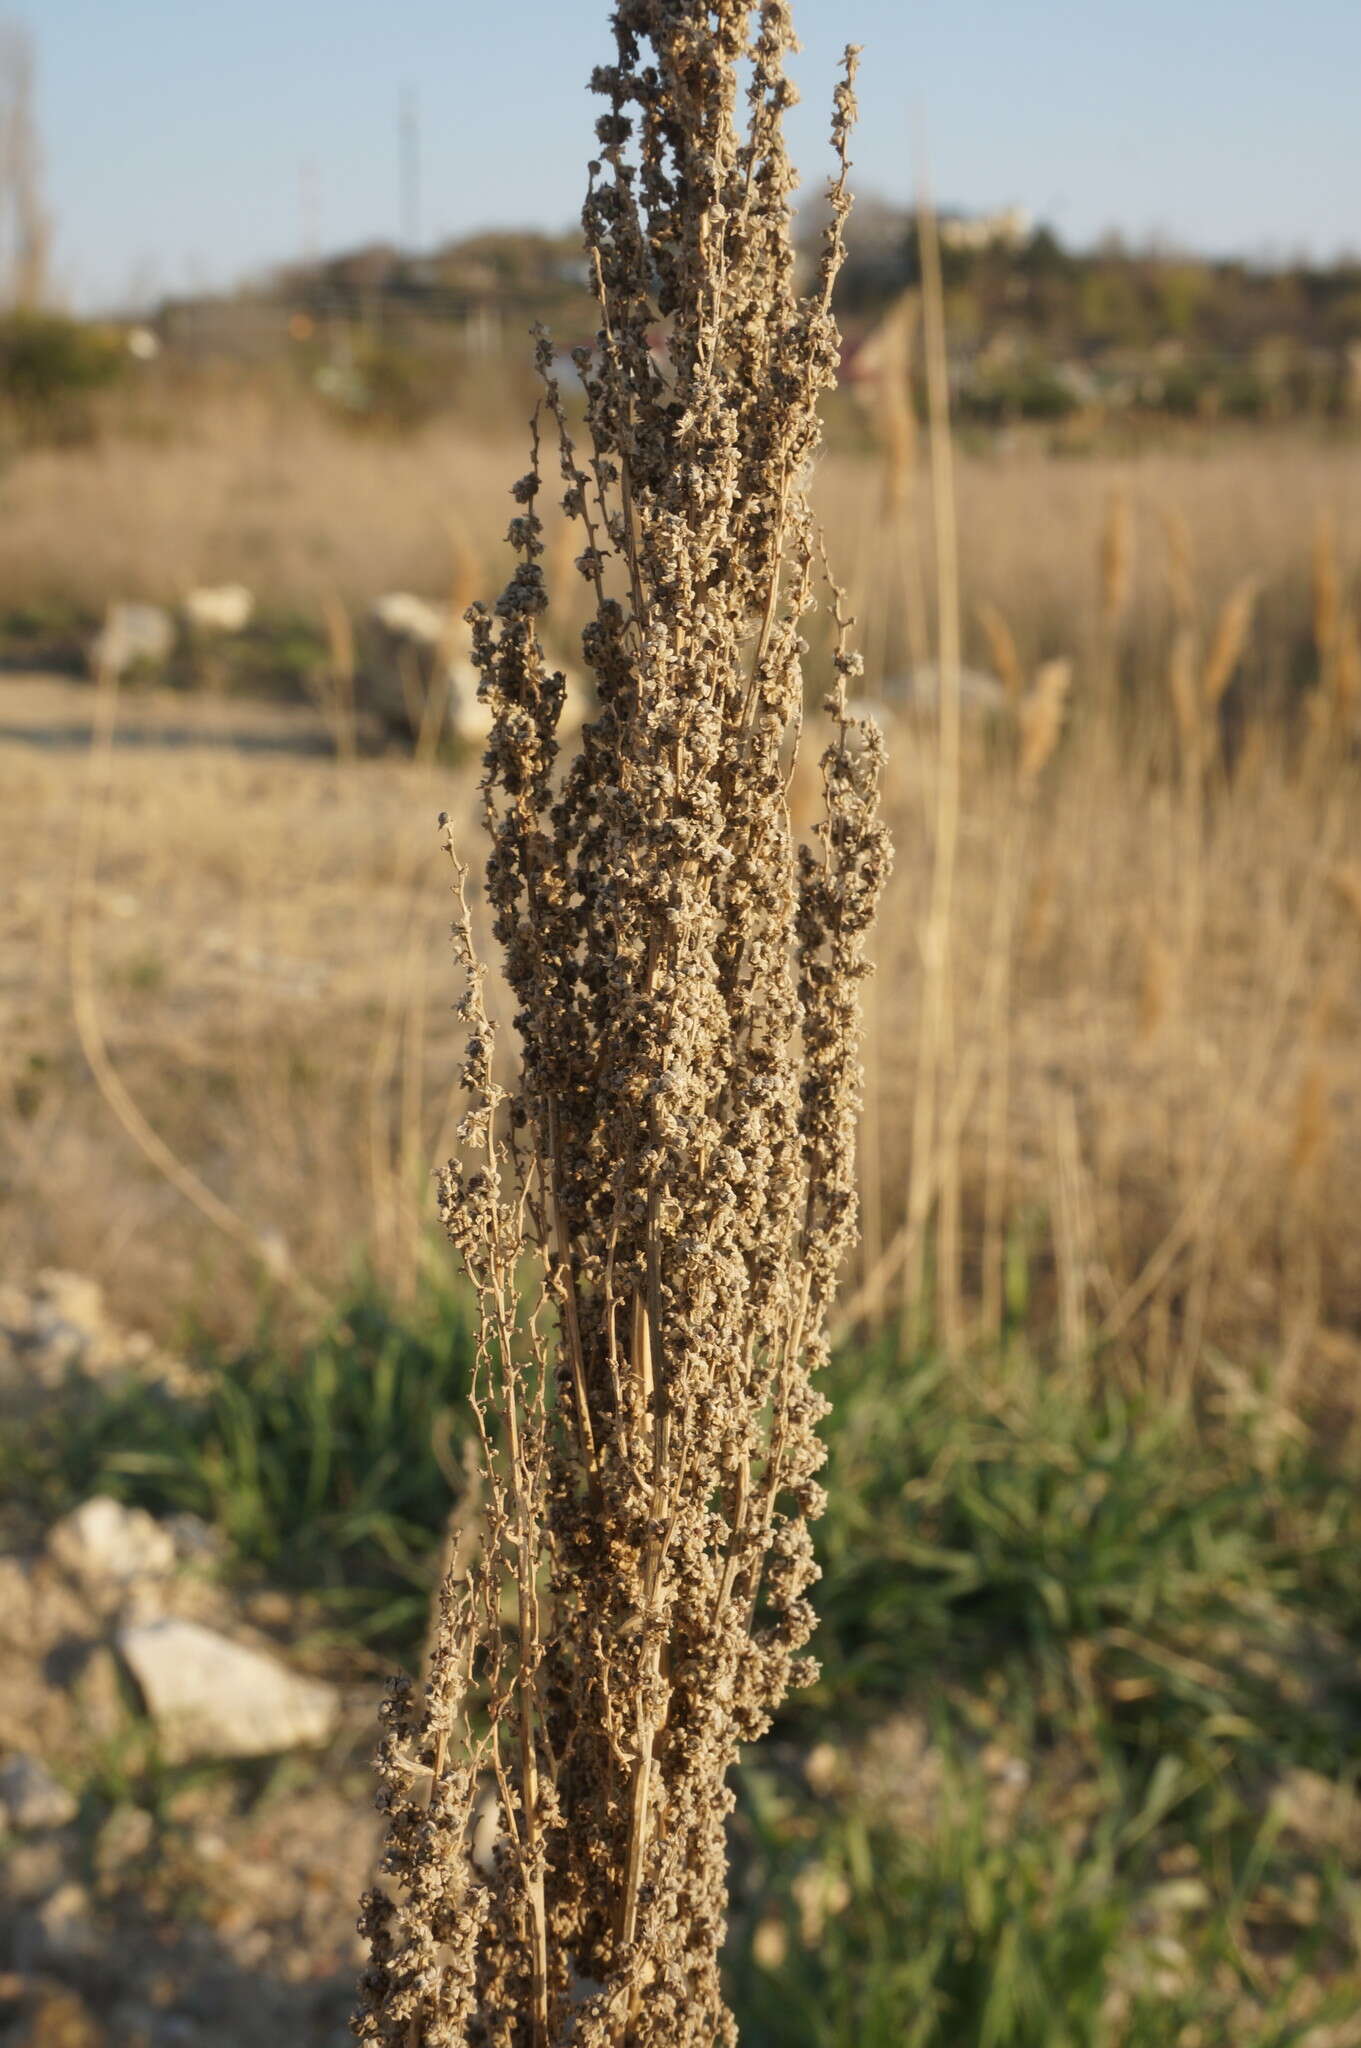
(1230, 638)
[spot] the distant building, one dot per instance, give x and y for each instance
(1008, 229)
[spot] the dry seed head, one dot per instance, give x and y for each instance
(1181, 565)
(1038, 924)
(1041, 718)
(1182, 679)
(1117, 556)
(886, 358)
(1326, 590)
(339, 636)
(1002, 649)
(1310, 1130)
(1346, 673)
(1155, 986)
(1230, 638)
(655, 1214)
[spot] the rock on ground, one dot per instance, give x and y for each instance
(37, 2013)
(133, 633)
(103, 1542)
(55, 1335)
(212, 1697)
(30, 1797)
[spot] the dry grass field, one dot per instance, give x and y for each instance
(246, 483)
(1141, 1108)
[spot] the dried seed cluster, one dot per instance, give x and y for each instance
(675, 1159)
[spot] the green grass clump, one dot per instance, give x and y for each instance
(1121, 1629)
(1152, 1615)
(1030, 1932)
(1181, 1584)
(331, 1469)
(893, 1942)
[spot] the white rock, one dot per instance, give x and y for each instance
(408, 617)
(979, 692)
(210, 1696)
(133, 633)
(57, 1328)
(32, 1869)
(71, 1296)
(415, 651)
(61, 1931)
(576, 703)
(219, 608)
(19, 1604)
(64, 1322)
(30, 1797)
(103, 1543)
(469, 715)
(487, 1830)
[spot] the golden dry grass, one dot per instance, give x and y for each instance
(269, 931)
(246, 484)
(269, 954)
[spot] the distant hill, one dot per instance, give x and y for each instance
(1037, 327)
(1037, 330)
(505, 268)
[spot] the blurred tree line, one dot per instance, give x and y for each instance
(1040, 330)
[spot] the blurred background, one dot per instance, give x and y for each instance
(1081, 1767)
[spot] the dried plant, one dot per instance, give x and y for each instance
(1197, 686)
(1039, 712)
(1326, 589)
(1181, 566)
(886, 360)
(654, 1213)
(1040, 718)
(1347, 673)
(1002, 649)
(933, 1172)
(1117, 560)
(1228, 642)
(1183, 682)
(28, 236)
(1337, 642)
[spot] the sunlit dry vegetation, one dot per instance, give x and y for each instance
(1155, 949)
(1075, 1764)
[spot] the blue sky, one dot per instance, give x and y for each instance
(188, 144)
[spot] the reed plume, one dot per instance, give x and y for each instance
(1229, 642)
(1117, 560)
(1181, 567)
(1002, 649)
(672, 1161)
(1326, 589)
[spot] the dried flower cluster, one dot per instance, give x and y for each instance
(674, 1163)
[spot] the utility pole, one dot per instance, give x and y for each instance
(409, 167)
(23, 222)
(309, 210)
